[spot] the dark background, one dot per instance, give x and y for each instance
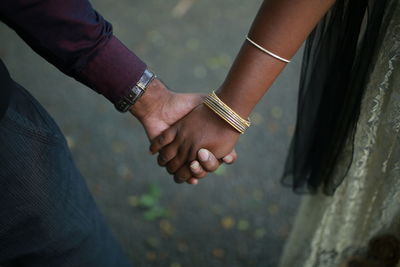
(240, 216)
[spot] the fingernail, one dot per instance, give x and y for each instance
(195, 182)
(195, 166)
(228, 159)
(203, 154)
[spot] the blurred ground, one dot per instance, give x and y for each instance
(240, 216)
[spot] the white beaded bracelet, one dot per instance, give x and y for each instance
(267, 51)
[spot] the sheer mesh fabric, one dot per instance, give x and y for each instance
(338, 58)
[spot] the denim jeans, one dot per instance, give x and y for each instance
(47, 215)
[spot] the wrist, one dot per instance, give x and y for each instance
(238, 104)
(136, 92)
(155, 94)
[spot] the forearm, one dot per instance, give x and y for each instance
(281, 26)
(77, 40)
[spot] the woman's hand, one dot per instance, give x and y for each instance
(178, 146)
(207, 163)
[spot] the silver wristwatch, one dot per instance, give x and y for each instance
(136, 92)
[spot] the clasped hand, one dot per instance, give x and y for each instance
(179, 144)
(191, 140)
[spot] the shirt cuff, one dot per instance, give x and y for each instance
(112, 71)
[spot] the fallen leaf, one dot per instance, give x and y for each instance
(218, 252)
(155, 212)
(118, 147)
(276, 112)
(151, 256)
(147, 200)
(260, 233)
(243, 225)
(272, 126)
(200, 72)
(155, 190)
(228, 222)
(123, 171)
(258, 194)
(133, 201)
(216, 209)
(181, 8)
(192, 44)
(273, 209)
(218, 62)
(182, 247)
(166, 227)
(153, 242)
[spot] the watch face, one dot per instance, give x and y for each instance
(137, 91)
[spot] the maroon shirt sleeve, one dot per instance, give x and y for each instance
(71, 35)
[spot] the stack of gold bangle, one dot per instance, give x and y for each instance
(226, 113)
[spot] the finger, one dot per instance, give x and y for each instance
(174, 164)
(196, 170)
(192, 181)
(178, 181)
(179, 160)
(207, 160)
(230, 158)
(167, 153)
(183, 174)
(162, 140)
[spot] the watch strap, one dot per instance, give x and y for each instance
(136, 92)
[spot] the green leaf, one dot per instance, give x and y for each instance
(243, 225)
(147, 201)
(155, 190)
(155, 213)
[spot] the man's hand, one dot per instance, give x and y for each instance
(159, 108)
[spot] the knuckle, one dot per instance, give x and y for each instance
(168, 136)
(197, 170)
(177, 180)
(192, 154)
(167, 153)
(163, 139)
(170, 172)
(173, 166)
(185, 173)
(201, 175)
(160, 139)
(211, 165)
(161, 160)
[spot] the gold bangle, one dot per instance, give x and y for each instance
(226, 112)
(213, 98)
(213, 102)
(239, 127)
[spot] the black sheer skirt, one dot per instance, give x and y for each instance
(338, 58)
